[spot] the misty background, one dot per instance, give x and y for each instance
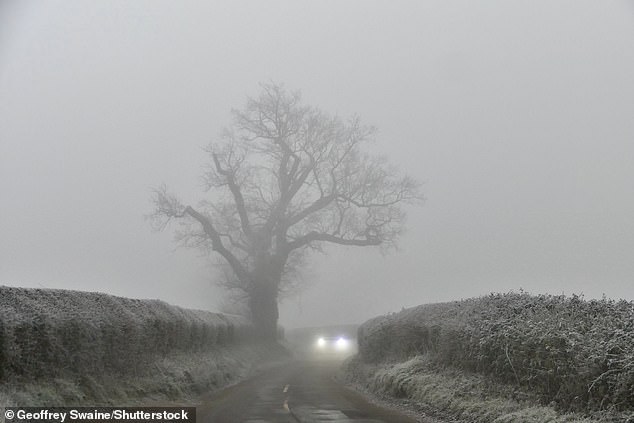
(518, 117)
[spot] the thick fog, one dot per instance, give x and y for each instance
(517, 116)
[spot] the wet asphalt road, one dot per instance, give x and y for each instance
(300, 391)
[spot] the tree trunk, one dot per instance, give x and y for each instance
(264, 312)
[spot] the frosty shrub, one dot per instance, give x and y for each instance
(578, 354)
(46, 333)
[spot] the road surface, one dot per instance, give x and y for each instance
(300, 391)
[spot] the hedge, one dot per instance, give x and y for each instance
(46, 332)
(578, 354)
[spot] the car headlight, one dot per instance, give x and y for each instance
(342, 343)
(321, 342)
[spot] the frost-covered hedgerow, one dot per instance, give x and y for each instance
(578, 354)
(45, 333)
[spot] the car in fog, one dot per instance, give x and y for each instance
(323, 342)
(333, 344)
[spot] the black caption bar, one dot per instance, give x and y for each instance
(100, 414)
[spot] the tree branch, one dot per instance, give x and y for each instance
(217, 244)
(317, 236)
(319, 204)
(237, 195)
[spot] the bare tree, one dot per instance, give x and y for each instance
(288, 178)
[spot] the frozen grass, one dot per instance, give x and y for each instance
(458, 396)
(559, 353)
(66, 347)
(178, 378)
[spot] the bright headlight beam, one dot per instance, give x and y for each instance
(321, 342)
(342, 343)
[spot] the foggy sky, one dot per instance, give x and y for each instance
(518, 117)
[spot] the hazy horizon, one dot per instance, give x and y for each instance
(516, 116)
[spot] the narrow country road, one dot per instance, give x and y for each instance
(301, 391)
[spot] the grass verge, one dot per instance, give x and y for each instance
(178, 378)
(458, 396)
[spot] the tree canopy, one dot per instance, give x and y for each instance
(288, 178)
